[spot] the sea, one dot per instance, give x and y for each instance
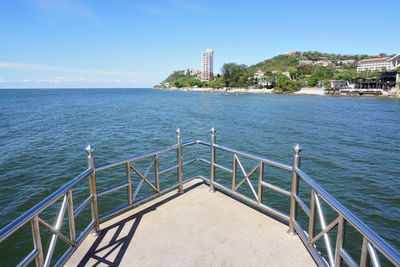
(351, 147)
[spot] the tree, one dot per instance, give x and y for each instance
(217, 83)
(177, 84)
(312, 81)
(286, 84)
(327, 84)
(292, 71)
(242, 82)
(363, 74)
(271, 78)
(374, 74)
(319, 75)
(350, 75)
(194, 82)
(231, 73)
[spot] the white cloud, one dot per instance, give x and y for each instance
(46, 80)
(64, 82)
(59, 79)
(41, 67)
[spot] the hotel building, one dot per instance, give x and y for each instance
(207, 65)
(379, 64)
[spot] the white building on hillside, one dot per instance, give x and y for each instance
(258, 74)
(379, 64)
(192, 72)
(323, 62)
(347, 61)
(395, 61)
(305, 62)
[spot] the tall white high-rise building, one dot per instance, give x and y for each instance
(207, 65)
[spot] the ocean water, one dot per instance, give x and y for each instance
(351, 145)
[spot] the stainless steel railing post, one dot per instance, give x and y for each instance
(260, 180)
(179, 157)
(340, 240)
(37, 241)
(93, 191)
(129, 178)
(311, 223)
(295, 189)
(234, 173)
(71, 218)
(212, 174)
(157, 166)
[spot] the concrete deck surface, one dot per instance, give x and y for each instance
(197, 228)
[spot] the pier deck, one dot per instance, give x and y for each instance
(197, 228)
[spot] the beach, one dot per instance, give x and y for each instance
(303, 91)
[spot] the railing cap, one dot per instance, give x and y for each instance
(89, 148)
(179, 131)
(297, 148)
(213, 131)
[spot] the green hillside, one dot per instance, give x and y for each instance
(283, 72)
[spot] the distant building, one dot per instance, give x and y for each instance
(337, 84)
(305, 62)
(323, 62)
(192, 72)
(258, 74)
(207, 65)
(347, 61)
(379, 64)
(395, 62)
(341, 70)
(292, 52)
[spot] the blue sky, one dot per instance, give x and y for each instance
(94, 43)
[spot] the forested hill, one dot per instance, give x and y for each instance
(293, 70)
(282, 62)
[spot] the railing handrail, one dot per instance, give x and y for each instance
(138, 157)
(142, 156)
(42, 205)
(384, 247)
(248, 155)
(254, 157)
(370, 237)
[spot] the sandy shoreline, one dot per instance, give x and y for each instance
(303, 91)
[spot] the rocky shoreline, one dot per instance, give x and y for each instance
(303, 91)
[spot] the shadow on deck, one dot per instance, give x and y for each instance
(197, 228)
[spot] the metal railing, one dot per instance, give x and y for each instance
(331, 256)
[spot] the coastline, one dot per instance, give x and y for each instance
(303, 91)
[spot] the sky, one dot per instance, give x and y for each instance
(138, 43)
